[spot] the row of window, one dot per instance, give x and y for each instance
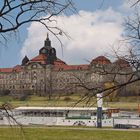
(43, 114)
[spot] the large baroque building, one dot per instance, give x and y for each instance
(46, 74)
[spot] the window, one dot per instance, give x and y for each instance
(34, 66)
(79, 68)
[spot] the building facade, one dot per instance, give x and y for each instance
(46, 74)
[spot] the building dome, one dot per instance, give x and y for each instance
(100, 60)
(49, 51)
(25, 60)
(47, 46)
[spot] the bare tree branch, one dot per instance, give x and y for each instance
(135, 2)
(15, 13)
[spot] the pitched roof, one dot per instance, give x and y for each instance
(59, 62)
(6, 70)
(42, 59)
(17, 68)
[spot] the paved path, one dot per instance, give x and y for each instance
(95, 129)
(83, 128)
(76, 128)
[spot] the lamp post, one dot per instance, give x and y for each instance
(99, 110)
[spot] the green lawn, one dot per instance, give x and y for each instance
(63, 133)
(122, 103)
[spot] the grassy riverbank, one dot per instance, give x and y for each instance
(130, 103)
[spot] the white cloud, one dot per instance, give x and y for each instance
(91, 34)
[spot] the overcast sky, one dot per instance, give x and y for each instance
(93, 31)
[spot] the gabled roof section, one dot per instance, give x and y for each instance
(41, 58)
(59, 62)
(17, 68)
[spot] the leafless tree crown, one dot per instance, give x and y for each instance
(15, 13)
